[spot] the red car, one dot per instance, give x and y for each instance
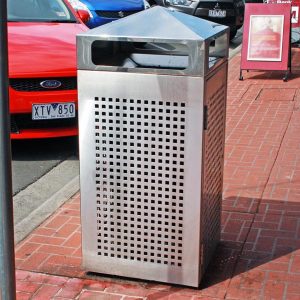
(42, 67)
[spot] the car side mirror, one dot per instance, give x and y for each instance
(83, 15)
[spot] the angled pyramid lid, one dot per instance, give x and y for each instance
(158, 23)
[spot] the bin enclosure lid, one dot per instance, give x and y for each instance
(158, 23)
(192, 39)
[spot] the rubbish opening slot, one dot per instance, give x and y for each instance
(217, 50)
(140, 55)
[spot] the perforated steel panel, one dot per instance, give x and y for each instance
(140, 155)
(213, 160)
(141, 175)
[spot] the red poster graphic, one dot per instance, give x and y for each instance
(265, 38)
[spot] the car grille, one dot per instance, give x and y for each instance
(24, 121)
(115, 14)
(33, 84)
(211, 5)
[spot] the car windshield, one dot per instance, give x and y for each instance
(39, 11)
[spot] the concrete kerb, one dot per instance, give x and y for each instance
(57, 186)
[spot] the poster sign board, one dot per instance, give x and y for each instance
(266, 37)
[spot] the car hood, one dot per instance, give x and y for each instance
(114, 5)
(42, 49)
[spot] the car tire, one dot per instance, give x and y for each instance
(233, 32)
(152, 2)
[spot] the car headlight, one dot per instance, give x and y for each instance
(76, 4)
(178, 2)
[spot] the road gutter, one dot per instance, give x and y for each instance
(32, 206)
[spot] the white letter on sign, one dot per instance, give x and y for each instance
(295, 14)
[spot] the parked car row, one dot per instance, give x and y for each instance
(225, 12)
(42, 67)
(42, 54)
(42, 61)
(104, 11)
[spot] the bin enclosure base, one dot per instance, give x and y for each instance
(151, 174)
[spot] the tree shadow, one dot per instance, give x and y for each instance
(265, 240)
(252, 245)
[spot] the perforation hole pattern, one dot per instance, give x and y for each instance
(213, 170)
(140, 165)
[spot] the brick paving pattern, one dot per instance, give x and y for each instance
(258, 256)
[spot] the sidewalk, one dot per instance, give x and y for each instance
(259, 255)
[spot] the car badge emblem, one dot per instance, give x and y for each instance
(217, 6)
(121, 14)
(50, 84)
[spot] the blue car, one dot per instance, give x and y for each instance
(104, 11)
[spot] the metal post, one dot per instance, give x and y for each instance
(7, 254)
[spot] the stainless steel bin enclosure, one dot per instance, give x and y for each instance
(152, 97)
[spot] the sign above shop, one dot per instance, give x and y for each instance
(294, 10)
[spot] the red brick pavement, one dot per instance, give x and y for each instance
(259, 253)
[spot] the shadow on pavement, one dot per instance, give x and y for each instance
(44, 149)
(253, 247)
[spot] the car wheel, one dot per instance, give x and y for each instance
(151, 2)
(233, 32)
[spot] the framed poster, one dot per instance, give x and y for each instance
(266, 37)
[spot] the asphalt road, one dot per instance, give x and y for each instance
(45, 174)
(34, 158)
